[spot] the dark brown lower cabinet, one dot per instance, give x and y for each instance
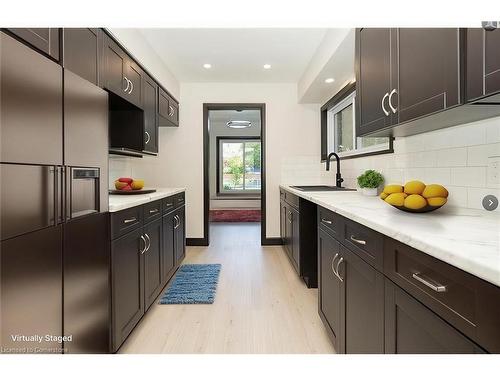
(411, 328)
(127, 279)
(331, 290)
(167, 254)
(364, 304)
(180, 235)
(152, 263)
(351, 299)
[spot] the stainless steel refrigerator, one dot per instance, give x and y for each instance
(53, 185)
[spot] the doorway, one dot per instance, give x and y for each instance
(234, 165)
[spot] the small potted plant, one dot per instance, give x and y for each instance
(369, 181)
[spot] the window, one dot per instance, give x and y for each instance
(239, 165)
(339, 129)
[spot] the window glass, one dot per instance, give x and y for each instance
(240, 164)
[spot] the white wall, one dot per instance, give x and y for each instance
(137, 45)
(292, 130)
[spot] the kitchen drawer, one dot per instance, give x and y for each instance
(152, 210)
(292, 199)
(331, 222)
(179, 200)
(364, 242)
(468, 303)
(125, 221)
(168, 204)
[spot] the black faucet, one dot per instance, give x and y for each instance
(338, 176)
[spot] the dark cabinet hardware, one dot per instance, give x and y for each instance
(429, 282)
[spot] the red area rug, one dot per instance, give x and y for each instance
(235, 216)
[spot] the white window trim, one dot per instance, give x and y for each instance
(331, 130)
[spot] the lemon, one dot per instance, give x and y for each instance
(396, 199)
(435, 190)
(137, 184)
(414, 187)
(383, 195)
(389, 189)
(436, 201)
(415, 202)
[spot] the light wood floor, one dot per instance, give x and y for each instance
(261, 305)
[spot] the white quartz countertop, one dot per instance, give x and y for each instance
(121, 202)
(465, 238)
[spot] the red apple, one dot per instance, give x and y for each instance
(128, 180)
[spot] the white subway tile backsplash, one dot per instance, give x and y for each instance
(457, 196)
(440, 176)
(452, 157)
(468, 176)
(479, 155)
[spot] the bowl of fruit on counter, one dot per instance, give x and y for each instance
(415, 196)
(127, 185)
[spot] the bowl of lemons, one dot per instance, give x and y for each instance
(415, 196)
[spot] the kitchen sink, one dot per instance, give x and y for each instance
(320, 188)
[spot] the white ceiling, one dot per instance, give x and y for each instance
(236, 55)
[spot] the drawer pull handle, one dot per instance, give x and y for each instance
(153, 211)
(429, 283)
(128, 221)
(326, 221)
(361, 242)
(169, 204)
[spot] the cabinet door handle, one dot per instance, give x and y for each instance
(337, 269)
(149, 242)
(326, 221)
(394, 110)
(131, 86)
(153, 211)
(170, 110)
(128, 83)
(149, 137)
(383, 106)
(177, 221)
(144, 249)
(429, 282)
(290, 216)
(128, 221)
(361, 242)
(170, 204)
(333, 261)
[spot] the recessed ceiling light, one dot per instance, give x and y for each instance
(238, 124)
(267, 66)
(329, 80)
(207, 66)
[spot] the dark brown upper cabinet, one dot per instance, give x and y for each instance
(82, 52)
(134, 75)
(45, 39)
(114, 68)
(168, 109)
(150, 105)
(121, 74)
(483, 64)
(375, 79)
(428, 72)
(403, 75)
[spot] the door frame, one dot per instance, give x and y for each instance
(206, 167)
